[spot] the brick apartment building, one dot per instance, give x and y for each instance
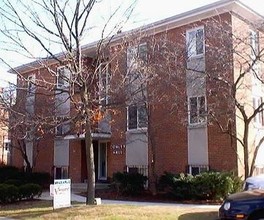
(171, 133)
(4, 136)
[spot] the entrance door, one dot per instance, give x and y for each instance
(102, 161)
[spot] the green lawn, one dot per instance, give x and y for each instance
(44, 210)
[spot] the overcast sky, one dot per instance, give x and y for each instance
(148, 11)
(154, 10)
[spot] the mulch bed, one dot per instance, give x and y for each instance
(147, 196)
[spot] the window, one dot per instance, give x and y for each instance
(30, 85)
(104, 83)
(254, 43)
(63, 76)
(136, 55)
(142, 52)
(259, 118)
(7, 145)
(62, 128)
(136, 117)
(195, 42)
(197, 110)
(197, 169)
(61, 172)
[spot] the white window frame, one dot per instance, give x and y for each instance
(7, 145)
(64, 169)
(136, 55)
(200, 167)
(65, 78)
(254, 43)
(138, 127)
(60, 129)
(198, 109)
(30, 85)
(259, 118)
(104, 87)
(191, 43)
(143, 52)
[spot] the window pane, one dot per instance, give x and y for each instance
(142, 117)
(142, 52)
(202, 109)
(60, 77)
(193, 110)
(199, 41)
(104, 83)
(254, 107)
(132, 117)
(191, 46)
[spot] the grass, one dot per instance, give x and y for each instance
(43, 210)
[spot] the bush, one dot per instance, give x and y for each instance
(40, 178)
(8, 172)
(14, 182)
(11, 193)
(205, 186)
(8, 193)
(129, 183)
(12, 175)
(30, 190)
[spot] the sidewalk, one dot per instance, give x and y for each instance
(81, 188)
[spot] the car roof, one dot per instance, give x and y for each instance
(255, 179)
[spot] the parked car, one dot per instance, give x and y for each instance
(246, 205)
(254, 182)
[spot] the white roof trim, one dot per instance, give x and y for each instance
(94, 136)
(188, 17)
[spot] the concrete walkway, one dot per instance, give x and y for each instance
(75, 197)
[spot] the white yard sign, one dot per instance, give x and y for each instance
(62, 193)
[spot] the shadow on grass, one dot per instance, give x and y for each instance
(199, 215)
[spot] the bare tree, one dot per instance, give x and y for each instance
(57, 26)
(235, 78)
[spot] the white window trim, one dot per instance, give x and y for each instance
(107, 84)
(189, 110)
(31, 81)
(138, 128)
(62, 168)
(256, 120)
(198, 166)
(254, 34)
(99, 160)
(7, 145)
(65, 123)
(188, 44)
(66, 82)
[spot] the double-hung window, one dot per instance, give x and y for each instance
(259, 118)
(195, 42)
(63, 76)
(197, 110)
(104, 83)
(254, 43)
(30, 85)
(136, 117)
(62, 128)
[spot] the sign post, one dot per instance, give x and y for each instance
(62, 193)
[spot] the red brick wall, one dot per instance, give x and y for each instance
(45, 157)
(75, 155)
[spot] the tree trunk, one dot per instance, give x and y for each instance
(90, 165)
(246, 150)
(23, 150)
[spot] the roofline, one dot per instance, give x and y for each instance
(197, 14)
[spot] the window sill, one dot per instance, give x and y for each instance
(258, 126)
(200, 125)
(137, 130)
(193, 57)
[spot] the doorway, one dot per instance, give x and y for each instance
(102, 161)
